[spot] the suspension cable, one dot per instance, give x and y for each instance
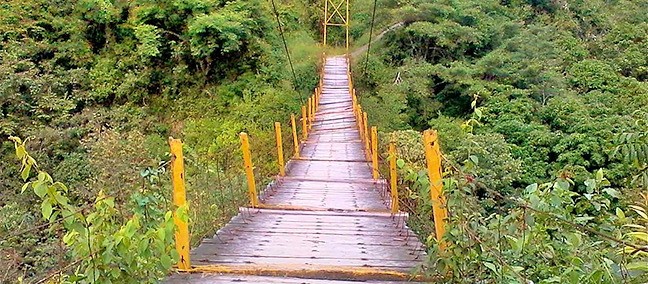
(283, 38)
(373, 19)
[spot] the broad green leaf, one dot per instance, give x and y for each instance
(638, 266)
(166, 261)
(517, 269)
(40, 188)
(491, 266)
(20, 150)
(562, 184)
(474, 159)
(590, 185)
(24, 174)
(612, 192)
(639, 235)
(599, 175)
(46, 209)
(620, 213)
(532, 188)
(60, 199)
(61, 186)
(400, 163)
(24, 187)
(161, 235)
(478, 112)
(110, 201)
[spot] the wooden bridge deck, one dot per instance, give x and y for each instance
(328, 217)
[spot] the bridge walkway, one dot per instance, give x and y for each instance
(326, 221)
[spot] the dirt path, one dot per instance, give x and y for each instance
(363, 48)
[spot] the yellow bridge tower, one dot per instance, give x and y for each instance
(334, 16)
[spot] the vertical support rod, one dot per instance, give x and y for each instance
(280, 154)
(374, 151)
(304, 124)
(249, 169)
(393, 178)
(325, 20)
(439, 206)
(365, 124)
(179, 201)
(294, 134)
(348, 23)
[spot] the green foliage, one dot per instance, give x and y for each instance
(539, 93)
(593, 75)
(106, 246)
(99, 86)
(637, 234)
(557, 88)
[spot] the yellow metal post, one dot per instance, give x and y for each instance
(294, 133)
(347, 23)
(393, 178)
(317, 97)
(180, 201)
(439, 206)
(304, 124)
(249, 169)
(360, 124)
(325, 23)
(312, 109)
(365, 124)
(309, 113)
(374, 151)
(280, 154)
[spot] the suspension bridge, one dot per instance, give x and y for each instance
(329, 216)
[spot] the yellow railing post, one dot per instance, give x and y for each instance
(365, 124)
(374, 151)
(316, 99)
(360, 124)
(304, 123)
(439, 206)
(319, 95)
(393, 178)
(312, 113)
(309, 114)
(294, 133)
(280, 154)
(249, 169)
(180, 201)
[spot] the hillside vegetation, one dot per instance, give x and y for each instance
(540, 105)
(96, 87)
(541, 108)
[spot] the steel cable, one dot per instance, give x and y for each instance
(283, 39)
